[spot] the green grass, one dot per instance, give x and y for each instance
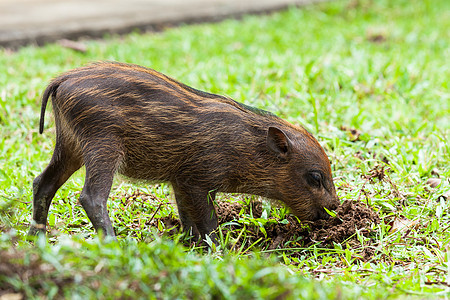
(380, 67)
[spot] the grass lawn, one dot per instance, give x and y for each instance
(370, 79)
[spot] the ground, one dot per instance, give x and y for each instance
(369, 79)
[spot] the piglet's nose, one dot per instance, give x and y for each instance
(322, 214)
(325, 216)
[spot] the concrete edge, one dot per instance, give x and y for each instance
(152, 26)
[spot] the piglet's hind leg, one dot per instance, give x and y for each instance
(65, 161)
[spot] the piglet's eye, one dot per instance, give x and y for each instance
(315, 179)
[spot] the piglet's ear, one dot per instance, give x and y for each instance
(278, 142)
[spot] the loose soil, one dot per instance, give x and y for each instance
(351, 216)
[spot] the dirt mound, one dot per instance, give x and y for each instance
(350, 217)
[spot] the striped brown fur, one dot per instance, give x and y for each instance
(114, 117)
